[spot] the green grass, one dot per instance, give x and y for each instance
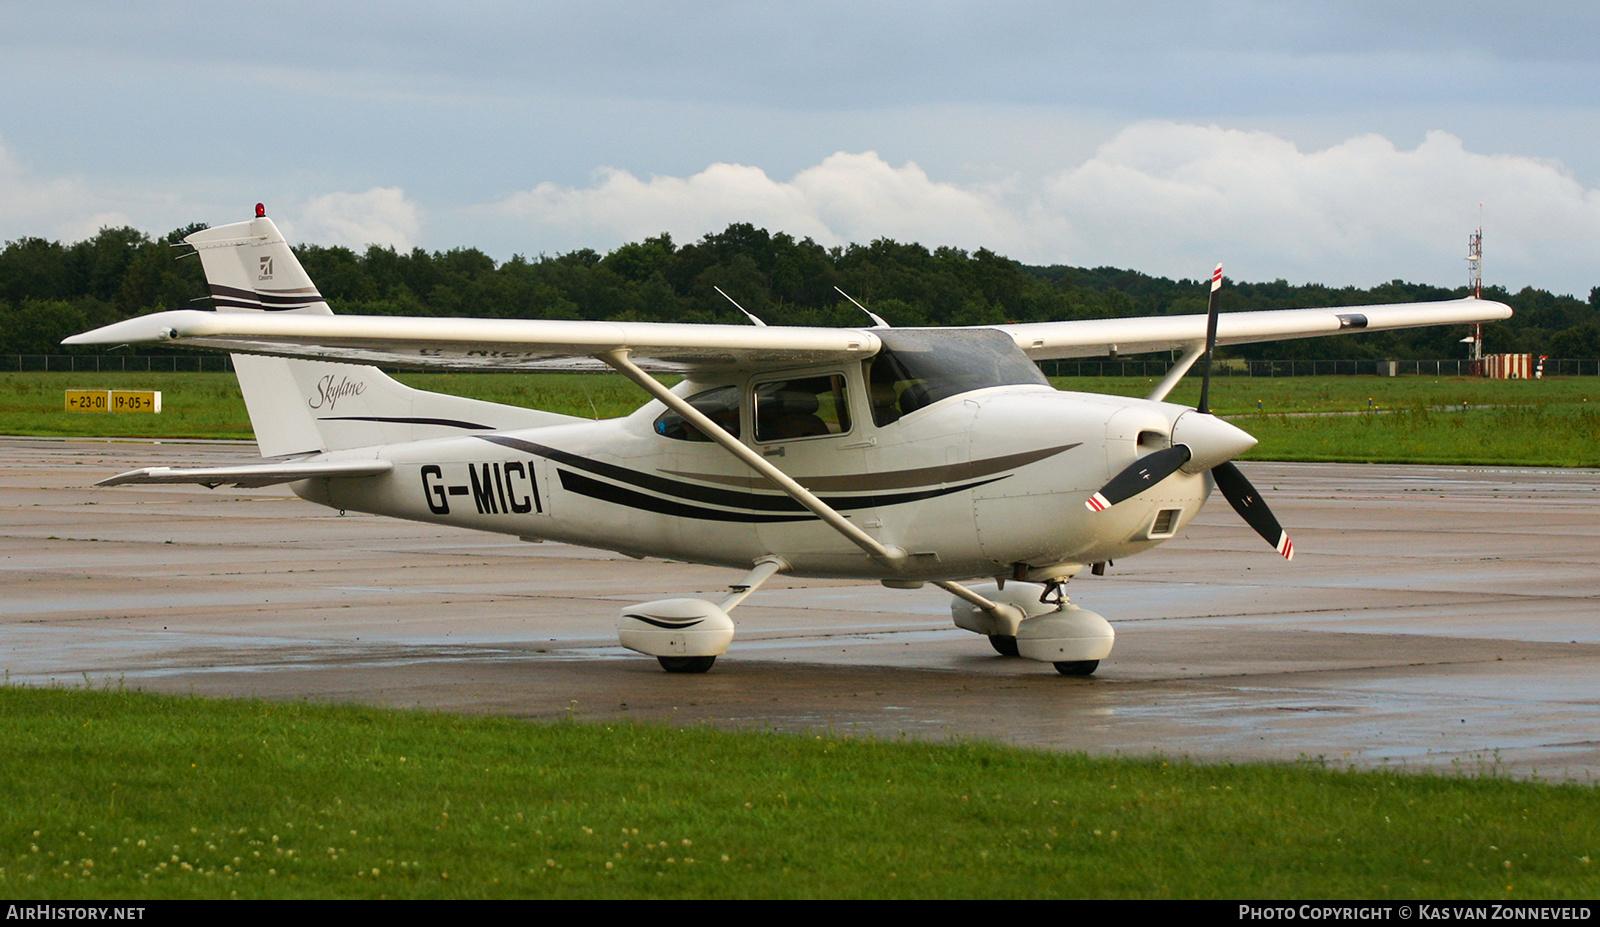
(194, 405)
(113, 794)
(209, 405)
(1420, 420)
(1424, 420)
(1241, 395)
(1552, 435)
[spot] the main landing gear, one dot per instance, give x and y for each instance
(684, 635)
(1035, 621)
(1030, 620)
(687, 635)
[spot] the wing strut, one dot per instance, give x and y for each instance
(1177, 372)
(1006, 617)
(892, 557)
(763, 570)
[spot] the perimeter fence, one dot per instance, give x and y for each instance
(116, 363)
(1240, 367)
(1091, 367)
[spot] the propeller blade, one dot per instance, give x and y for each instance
(1211, 341)
(1248, 503)
(1139, 476)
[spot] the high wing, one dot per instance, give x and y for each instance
(661, 346)
(488, 343)
(1096, 337)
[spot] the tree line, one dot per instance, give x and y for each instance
(49, 290)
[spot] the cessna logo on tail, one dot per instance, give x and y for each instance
(266, 269)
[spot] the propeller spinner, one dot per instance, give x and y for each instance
(1201, 442)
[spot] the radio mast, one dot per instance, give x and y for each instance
(1475, 280)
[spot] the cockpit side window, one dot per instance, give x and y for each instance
(804, 407)
(917, 368)
(721, 405)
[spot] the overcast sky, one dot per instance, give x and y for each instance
(1344, 143)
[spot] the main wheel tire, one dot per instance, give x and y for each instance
(686, 664)
(1004, 644)
(1077, 667)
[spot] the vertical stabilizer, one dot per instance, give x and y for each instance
(249, 267)
(301, 406)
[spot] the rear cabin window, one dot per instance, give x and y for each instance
(721, 405)
(806, 407)
(918, 368)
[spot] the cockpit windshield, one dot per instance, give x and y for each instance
(918, 368)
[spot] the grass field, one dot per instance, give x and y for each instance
(209, 405)
(1412, 420)
(113, 794)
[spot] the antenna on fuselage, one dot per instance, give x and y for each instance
(747, 312)
(873, 315)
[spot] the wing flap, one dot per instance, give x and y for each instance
(250, 475)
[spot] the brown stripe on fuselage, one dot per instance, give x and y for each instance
(894, 479)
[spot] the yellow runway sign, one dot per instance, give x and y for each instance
(113, 400)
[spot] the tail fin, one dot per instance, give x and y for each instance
(300, 406)
(249, 267)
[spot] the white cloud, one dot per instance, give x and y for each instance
(380, 216)
(69, 208)
(848, 197)
(860, 197)
(91, 226)
(1159, 197)
(621, 207)
(52, 207)
(1361, 211)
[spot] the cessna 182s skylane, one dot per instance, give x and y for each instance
(907, 456)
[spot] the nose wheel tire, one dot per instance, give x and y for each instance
(1077, 667)
(686, 664)
(1004, 644)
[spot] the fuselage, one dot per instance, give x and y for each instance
(972, 484)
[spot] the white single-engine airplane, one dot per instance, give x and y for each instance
(904, 455)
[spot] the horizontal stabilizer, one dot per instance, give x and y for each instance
(250, 475)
